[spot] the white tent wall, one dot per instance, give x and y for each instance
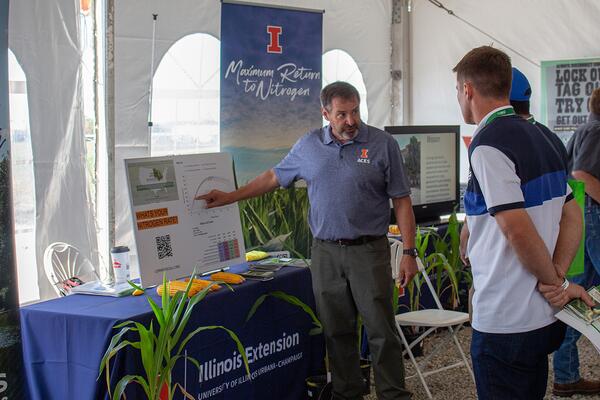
(538, 29)
(361, 28)
(43, 35)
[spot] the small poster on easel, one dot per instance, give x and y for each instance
(175, 233)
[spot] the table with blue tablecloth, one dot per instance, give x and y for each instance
(64, 340)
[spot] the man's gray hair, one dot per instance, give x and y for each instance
(338, 89)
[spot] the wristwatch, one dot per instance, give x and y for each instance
(411, 252)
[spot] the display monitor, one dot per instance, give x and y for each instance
(431, 162)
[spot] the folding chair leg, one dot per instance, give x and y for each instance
(412, 358)
(462, 353)
(435, 350)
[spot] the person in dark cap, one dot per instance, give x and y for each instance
(583, 152)
(520, 93)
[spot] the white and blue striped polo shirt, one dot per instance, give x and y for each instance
(512, 165)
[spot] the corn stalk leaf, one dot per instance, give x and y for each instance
(126, 380)
(292, 300)
(232, 335)
(183, 391)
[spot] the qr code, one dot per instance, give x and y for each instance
(163, 246)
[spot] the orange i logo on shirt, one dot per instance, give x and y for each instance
(364, 156)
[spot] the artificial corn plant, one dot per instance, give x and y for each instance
(278, 219)
(443, 265)
(317, 328)
(161, 347)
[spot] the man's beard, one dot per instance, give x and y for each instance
(348, 135)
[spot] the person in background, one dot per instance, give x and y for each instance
(520, 93)
(516, 200)
(351, 170)
(583, 150)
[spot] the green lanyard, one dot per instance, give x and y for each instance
(500, 113)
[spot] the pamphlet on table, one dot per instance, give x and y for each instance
(100, 289)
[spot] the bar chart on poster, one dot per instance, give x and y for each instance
(175, 233)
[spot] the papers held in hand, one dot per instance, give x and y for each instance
(583, 318)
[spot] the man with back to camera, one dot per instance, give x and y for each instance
(351, 170)
(516, 198)
(520, 93)
(584, 163)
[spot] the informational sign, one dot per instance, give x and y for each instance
(174, 232)
(430, 165)
(566, 88)
(270, 82)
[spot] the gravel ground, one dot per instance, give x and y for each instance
(457, 384)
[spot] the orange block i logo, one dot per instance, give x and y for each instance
(364, 157)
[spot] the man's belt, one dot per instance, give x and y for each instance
(352, 242)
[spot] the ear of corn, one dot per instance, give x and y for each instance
(180, 286)
(227, 277)
(255, 255)
(202, 283)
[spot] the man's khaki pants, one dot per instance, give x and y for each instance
(351, 280)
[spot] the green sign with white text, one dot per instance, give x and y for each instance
(566, 89)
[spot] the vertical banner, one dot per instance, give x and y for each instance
(11, 366)
(566, 89)
(270, 82)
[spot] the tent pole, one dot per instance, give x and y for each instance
(150, 86)
(109, 76)
(400, 62)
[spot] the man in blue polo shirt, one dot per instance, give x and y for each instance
(352, 170)
(517, 200)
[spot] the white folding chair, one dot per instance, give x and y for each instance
(432, 319)
(63, 262)
(396, 256)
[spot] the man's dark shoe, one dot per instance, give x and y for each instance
(582, 386)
